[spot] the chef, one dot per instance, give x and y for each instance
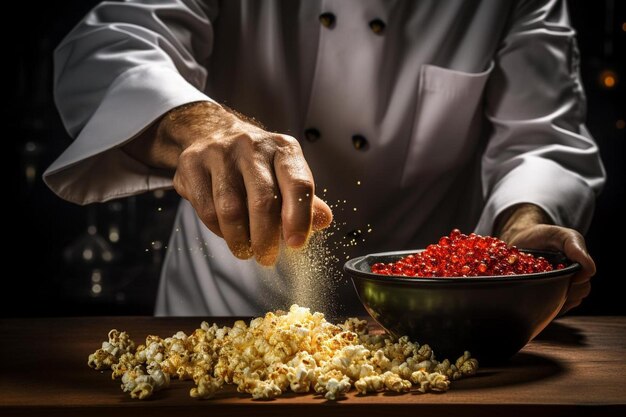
(422, 116)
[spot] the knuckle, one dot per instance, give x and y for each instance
(204, 152)
(189, 159)
(209, 217)
(287, 141)
(230, 210)
(294, 164)
(249, 144)
(302, 186)
(217, 151)
(265, 203)
(287, 145)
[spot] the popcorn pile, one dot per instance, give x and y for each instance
(297, 351)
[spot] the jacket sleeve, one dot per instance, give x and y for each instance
(116, 72)
(540, 150)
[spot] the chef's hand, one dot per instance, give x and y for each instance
(528, 226)
(245, 183)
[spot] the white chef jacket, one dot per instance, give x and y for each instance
(447, 113)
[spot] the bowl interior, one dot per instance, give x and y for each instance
(493, 317)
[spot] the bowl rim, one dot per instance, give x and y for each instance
(350, 267)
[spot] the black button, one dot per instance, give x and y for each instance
(377, 26)
(359, 142)
(354, 234)
(327, 20)
(312, 135)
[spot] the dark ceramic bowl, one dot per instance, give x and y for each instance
(492, 317)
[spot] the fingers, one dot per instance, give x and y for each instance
(322, 214)
(576, 294)
(280, 192)
(572, 245)
(193, 183)
(264, 204)
(568, 241)
(247, 189)
(297, 190)
(218, 196)
(232, 213)
(575, 249)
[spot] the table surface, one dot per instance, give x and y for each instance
(577, 366)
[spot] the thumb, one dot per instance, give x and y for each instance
(322, 214)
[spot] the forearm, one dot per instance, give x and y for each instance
(517, 218)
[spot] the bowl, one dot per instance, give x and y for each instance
(492, 317)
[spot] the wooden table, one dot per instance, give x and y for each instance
(576, 367)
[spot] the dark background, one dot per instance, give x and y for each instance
(105, 258)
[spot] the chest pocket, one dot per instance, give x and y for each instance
(446, 122)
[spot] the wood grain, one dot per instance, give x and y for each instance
(577, 366)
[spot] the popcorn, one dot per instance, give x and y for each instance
(206, 387)
(278, 373)
(121, 341)
(301, 372)
(160, 379)
(141, 383)
(125, 363)
(142, 391)
(355, 325)
(380, 362)
(394, 382)
(119, 344)
(333, 384)
(370, 383)
(296, 351)
(152, 351)
(262, 390)
(300, 379)
(447, 369)
(101, 359)
(430, 381)
(133, 378)
(467, 365)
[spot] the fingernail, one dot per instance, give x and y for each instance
(295, 241)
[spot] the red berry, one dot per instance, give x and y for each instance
(462, 255)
